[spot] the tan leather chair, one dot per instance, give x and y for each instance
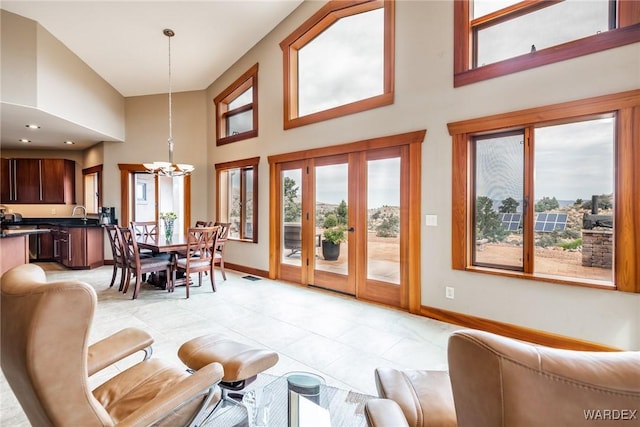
(498, 381)
(47, 362)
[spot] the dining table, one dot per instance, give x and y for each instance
(159, 244)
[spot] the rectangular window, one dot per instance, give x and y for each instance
(237, 109)
(495, 38)
(542, 28)
(553, 196)
(237, 201)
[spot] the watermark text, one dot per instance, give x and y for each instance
(611, 414)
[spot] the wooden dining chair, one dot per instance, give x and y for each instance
(201, 249)
(223, 234)
(119, 262)
(145, 229)
(137, 265)
(182, 254)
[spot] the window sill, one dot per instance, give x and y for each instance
(587, 283)
(237, 137)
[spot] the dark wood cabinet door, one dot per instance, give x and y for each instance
(27, 181)
(63, 247)
(53, 181)
(77, 247)
(6, 182)
(95, 247)
(45, 246)
(58, 183)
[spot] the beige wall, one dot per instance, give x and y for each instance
(147, 131)
(18, 47)
(425, 99)
(69, 89)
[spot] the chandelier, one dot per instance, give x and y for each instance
(169, 168)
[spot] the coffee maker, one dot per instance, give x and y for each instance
(108, 216)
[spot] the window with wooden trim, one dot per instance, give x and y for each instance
(237, 198)
(551, 193)
(495, 38)
(339, 62)
(237, 109)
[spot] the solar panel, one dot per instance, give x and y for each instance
(548, 222)
(511, 221)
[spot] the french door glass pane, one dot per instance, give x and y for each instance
(498, 212)
(171, 198)
(332, 186)
(383, 220)
(291, 217)
(573, 163)
(144, 207)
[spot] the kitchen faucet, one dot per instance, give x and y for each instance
(84, 210)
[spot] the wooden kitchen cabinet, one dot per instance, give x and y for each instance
(20, 181)
(81, 247)
(30, 181)
(5, 180)
(27, 187)
(45, 245)
(59, 181)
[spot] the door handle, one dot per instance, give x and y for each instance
(351, 229)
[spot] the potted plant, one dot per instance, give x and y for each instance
(333, 237)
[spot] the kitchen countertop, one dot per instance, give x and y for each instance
(22, 232)
(59, 221)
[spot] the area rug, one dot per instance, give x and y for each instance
(345, 407)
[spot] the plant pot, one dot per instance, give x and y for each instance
(330, 251)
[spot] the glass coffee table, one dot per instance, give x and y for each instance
(346, 408)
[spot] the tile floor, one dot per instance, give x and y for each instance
(340, 338)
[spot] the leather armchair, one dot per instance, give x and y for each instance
(47, 362)
(498, 381)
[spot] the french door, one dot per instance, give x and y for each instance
(343, 221)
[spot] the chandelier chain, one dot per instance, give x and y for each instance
(169, 168)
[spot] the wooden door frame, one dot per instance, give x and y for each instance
(126, 172)
(411, 297)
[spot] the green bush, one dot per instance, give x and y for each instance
(574, 244)
(330, 220)
(390, 227)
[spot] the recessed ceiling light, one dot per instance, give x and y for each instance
(25, 141)
(32, 126)
(69, 142)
